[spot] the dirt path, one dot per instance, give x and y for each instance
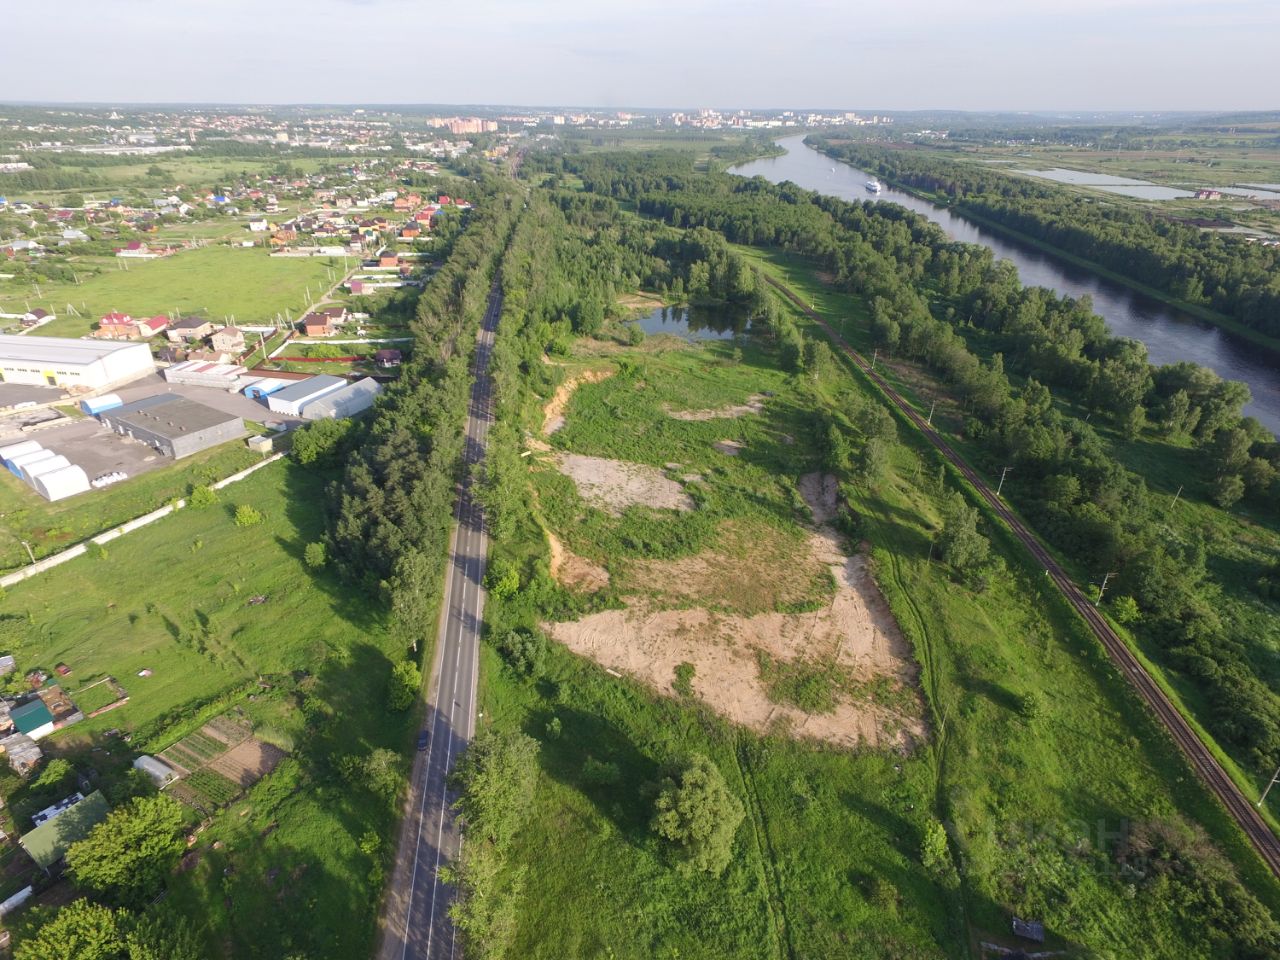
(754, 404)
(855, 632)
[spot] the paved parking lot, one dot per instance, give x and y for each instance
(98, 450)
(236, 404)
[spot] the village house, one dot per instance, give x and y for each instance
(388, 258)
(316, 325)
(121, 326)
(228, 340)
(387, 359)
(189, 329)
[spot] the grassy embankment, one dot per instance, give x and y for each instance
(828, 862)
(294, 867)
(1241, 542)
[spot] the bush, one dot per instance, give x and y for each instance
(247, 516)
(525, 652)
(202, 496)
(696, 812)
(406, 680)
(683, 683)
(315, 555)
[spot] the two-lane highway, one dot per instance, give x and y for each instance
(415, 921)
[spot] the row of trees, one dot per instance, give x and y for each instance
(930, 297)
(1234, 277)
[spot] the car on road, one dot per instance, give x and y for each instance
(424, 738)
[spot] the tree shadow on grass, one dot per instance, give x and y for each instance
(308, 507)
(596, 758)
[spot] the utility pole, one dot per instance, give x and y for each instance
(1103, 589)
(1175, 497)
(929, 419)
(1275, 777)
(1000, 485)
(33, 560)
(874, 354)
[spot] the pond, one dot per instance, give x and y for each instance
(698, 321)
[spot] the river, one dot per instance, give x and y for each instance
(1170, 335)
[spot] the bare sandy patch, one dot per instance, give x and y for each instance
(730, 448)
(553, 412)
(640, 301)
(855, 633)
(754, 404)
(574, 571)
(614, 485)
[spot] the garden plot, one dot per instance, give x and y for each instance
(219, 762)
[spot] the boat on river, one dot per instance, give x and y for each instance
(874, 186)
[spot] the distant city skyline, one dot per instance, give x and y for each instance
(985, 55)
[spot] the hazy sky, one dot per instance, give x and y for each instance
(895, 54)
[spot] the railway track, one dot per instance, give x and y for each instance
(1204, 763)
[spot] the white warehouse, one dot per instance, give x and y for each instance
(67, 363)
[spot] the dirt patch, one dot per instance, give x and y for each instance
(249, 762)
(614, 485)
(640, 301)
(753, 568)
(730, 448)
(855, 633)
(574, 571)
(553, 412)
(754, 404)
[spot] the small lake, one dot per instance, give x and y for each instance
(696, 321)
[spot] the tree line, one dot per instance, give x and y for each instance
(1196, 266)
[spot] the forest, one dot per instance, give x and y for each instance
(1238, 279)
(1057, 398)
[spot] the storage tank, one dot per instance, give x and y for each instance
(95, 405)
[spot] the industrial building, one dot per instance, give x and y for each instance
(174, 425)
(345, 402)
(294, 397)
(72, 364)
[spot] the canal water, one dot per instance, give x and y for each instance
(1170, 335)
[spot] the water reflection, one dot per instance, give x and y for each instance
(697, 321)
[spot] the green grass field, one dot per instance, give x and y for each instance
(828, 862)
(296, 869)
(50, 527)
(216, 281)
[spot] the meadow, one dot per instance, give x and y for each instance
(1040, 761)
(215, 281)
(294, 866)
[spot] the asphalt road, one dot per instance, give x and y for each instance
(415, 922)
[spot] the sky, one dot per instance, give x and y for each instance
(849, 54)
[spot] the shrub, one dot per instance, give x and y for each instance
(315, 555)
(696, 812)
(683, 683)
(247, 516)
(406, 680)
(202, 496)
(525, 652)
